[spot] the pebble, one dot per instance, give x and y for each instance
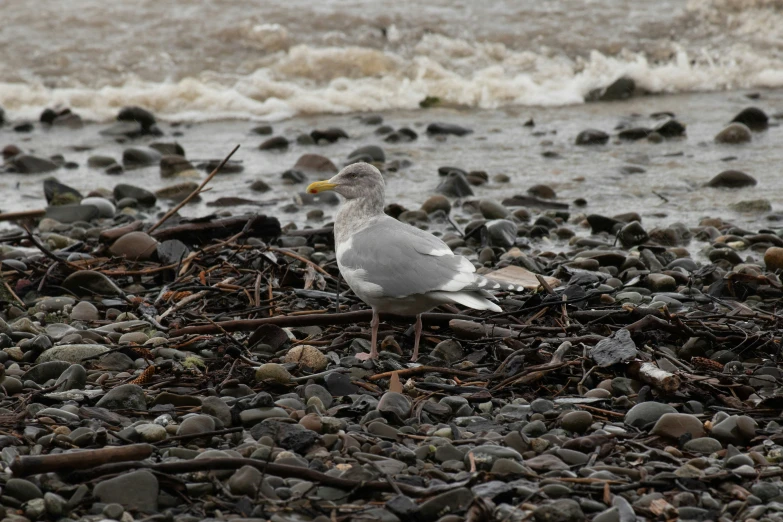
(135, 490)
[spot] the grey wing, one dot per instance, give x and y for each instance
(403, 260)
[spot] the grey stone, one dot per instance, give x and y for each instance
(563, 510)
(137, 490)
(196, 425)
(646, 413)
(22, 490)
(72, 353)
(124, 397)
(73, 378)
(619, 347)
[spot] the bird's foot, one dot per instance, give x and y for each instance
(364, 356)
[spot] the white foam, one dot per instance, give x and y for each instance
(310, 80)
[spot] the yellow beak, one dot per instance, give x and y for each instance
(320, 186)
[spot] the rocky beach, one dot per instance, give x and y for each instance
(177, 343)
(201, 363)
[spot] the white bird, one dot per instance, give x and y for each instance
(393, 267)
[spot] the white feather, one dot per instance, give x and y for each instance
(467, 299)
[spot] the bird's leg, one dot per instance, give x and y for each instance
(417, 333)
(374, 336)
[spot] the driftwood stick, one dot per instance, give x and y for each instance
(194, 193)
(280, 470)
(309, 320)
(24, 214)
(407, 372)
(654, 376)
(24, 466)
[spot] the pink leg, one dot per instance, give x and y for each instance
(417, 332)
(374, 342)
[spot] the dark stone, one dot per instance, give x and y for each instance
(447, 128)
(754, 118)
(620, 89)
(316, 164)
(599, 223)
(56, 192)
(542, 191)
(633, 234)
(670, 129)
(373, 152)
(450, 502)
(276, 143)
(172, 164)
(172, 251)
(732, 179)
(619, 347)
(371, 119)
(634, 134)
(262, 130)
(168, 149)
(126, 129)
(340, 384)
(501, 233)
(592, 137)
(330, 135)
(72, 213)
(28, 164)
(231, 166)
(143, 196)
(137, 158)
(90, 282)
(294, 437)
(293, 176)
(142, 117)
(455, 185)
(25, 126)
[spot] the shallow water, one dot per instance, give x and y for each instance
(670, 190)
(244, 59)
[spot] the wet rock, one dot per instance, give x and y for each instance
(275, 143)
(168, 148)
(752, 117)
(634, 133)
(262, 130)
(633, 234)
(330, 135)
(542, 191)
(72, 213)
(135, 490)
(674, 425)
(368, 153)
(29, 164)
(619, 347)
(592, 137)
(620, 89)
(135, 158)
(455, 186)
(43, 372)
(501, 232)
(447, 128)
(260, 185)
(294, 437)
(449, 350)
(435, 203)
(734, 134)
(105, 207)
(292, 177)
(669, 129)
(773, 258)
(217, 407)
(144, 118)
(174, 165)
(178, 192)
(340, 384)
(491, 209)
(732, 179)
(60, 194)
(135, 246)
(315, 164)
(752, 205)
(124, 397)
(143, 196)
(486, 455)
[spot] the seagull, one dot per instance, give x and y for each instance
(393, 267)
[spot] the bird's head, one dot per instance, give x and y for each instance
(354, 181)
